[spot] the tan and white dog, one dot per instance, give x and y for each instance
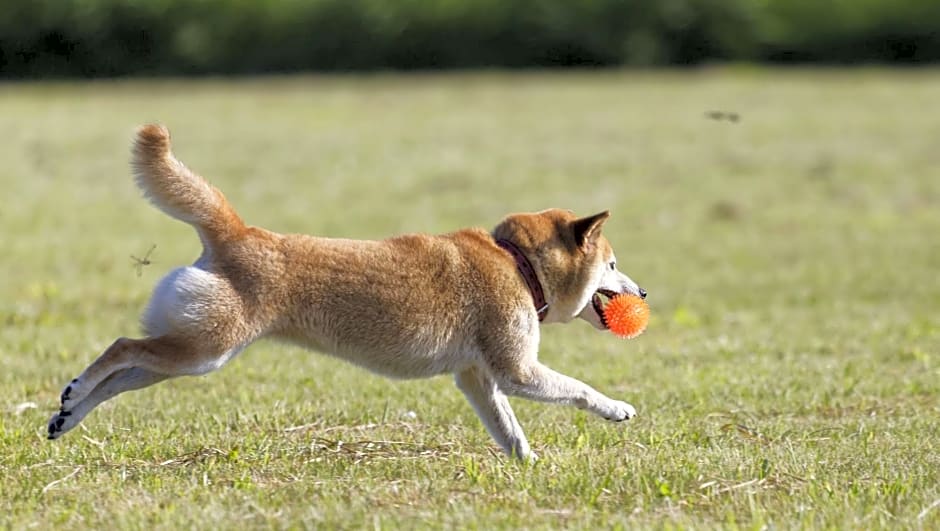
(412, 306)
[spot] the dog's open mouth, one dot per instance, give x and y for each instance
(599, 301)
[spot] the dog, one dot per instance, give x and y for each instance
(469, 303)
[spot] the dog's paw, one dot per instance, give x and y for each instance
(60, 423)
(71, 394)
(620, 411)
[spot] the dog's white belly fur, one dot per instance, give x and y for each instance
(420, 358)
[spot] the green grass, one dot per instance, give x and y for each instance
(789, 378)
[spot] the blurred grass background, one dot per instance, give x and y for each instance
(789, 376)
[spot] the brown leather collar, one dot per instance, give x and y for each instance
(528, 274)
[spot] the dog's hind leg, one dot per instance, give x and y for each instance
(493, 408)
(118, 382)
(165, 355)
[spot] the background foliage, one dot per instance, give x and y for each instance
(179, 37)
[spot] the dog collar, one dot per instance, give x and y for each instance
(528, 274)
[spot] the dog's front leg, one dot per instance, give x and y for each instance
(493, 408)
(537, 382)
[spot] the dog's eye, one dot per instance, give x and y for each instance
(612, 265)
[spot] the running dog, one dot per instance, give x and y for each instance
(469, 303)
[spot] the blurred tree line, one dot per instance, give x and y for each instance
(60, 38)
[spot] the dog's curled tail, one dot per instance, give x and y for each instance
(179, 192)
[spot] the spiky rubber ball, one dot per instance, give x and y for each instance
(626, 315)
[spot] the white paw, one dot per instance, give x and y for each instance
(521, 451)
(72, 394)
(620, 411)
(60, 423)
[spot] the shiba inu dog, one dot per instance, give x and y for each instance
(468, 303)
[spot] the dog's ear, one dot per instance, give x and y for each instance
(586, 230)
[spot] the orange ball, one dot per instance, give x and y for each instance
(627, 315)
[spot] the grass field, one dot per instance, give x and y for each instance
(789, 378)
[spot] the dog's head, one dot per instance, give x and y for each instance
(573, 260)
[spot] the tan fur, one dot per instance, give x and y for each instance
(408, 307)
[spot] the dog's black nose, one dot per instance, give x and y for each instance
(642, 293)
